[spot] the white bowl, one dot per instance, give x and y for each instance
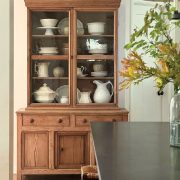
(98, 51)
(48, 22)
(99, 74)
(48, 48)
(96, 28)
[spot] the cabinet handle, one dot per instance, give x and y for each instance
(85, 121)
(31, 120)
(60, 121)
(62, 149)
(114, 120)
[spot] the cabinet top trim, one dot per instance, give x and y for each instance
(33, 4)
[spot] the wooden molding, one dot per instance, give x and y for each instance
(34, 4)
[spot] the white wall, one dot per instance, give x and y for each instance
(20, 63)
(5, 95)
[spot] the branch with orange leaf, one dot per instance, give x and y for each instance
(154, 40)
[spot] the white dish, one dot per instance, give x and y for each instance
(48, 53)
(49, 47)
(98, 51)
(99, 74)
(51, 51)
(65, 23)
(48, 22)
(96, 28)
(82, 75)
(64, 91)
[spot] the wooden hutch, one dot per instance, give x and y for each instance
(54, 137)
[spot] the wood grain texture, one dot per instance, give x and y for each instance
(36, 120)
(35, 148)
(72, 149)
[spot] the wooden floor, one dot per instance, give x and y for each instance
(51, 177)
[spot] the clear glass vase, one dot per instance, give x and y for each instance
(175, 120)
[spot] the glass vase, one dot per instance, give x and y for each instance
(175, 120)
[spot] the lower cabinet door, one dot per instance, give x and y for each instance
(71, 149)
(35, 150)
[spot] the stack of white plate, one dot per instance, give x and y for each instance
(48, 50)
(99, 74)
(98, 51)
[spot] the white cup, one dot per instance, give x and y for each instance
(80, 70)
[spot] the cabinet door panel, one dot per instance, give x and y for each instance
(72, 149)
(35, 149)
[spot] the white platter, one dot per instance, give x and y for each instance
(65, 23)
(64, 91)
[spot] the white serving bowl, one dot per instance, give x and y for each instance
(47, 49)
(48, 22)
(96, 28)
(44, 94)
(99, 74)
(98, 51)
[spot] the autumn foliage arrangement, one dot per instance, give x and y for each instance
(153, 39)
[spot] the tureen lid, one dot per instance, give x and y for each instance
(44, 89)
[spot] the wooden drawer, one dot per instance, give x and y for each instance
(84, 120)
(42, 120)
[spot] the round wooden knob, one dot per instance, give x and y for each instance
(62, 149)
(114, 120)
(85, 121)
(31, 120)
(60, 121)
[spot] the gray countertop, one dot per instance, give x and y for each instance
(135, 151)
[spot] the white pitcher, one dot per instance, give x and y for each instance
(85, 97)
(102, 94)
(41, 69)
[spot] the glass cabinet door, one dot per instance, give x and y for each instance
(50, 52)
(95, 58)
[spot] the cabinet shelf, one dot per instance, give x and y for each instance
(99, 56)
(92, 78)
(90, 35)
(50, 78)
(49, 57)
(50, 36)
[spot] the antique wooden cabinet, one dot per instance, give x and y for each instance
(72, 80)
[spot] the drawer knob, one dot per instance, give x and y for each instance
(85, 121)
(62, 149)
(60, 121)
(114, 120)
(31, 120)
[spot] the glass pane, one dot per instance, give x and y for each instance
(50, 31)
(49, 81)
(91, 71)
(49, 63)
(95, 60)
(97, 34)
